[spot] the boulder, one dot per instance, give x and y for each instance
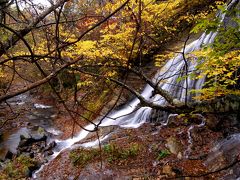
(50, 146)
(174, 146)
(28, 141)
(9, 155)
(224, 153)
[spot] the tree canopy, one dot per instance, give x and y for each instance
(96, 44)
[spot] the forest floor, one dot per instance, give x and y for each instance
(152, 151)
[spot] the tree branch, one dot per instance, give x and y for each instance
(36, 84)
(23, 32)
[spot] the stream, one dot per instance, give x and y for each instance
(38, 118)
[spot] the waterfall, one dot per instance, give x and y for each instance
(131, 115)
(169, 73)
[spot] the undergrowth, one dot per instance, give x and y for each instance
(112, 153)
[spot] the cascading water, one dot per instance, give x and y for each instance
(130, 115)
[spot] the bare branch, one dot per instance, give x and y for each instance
(23, 32)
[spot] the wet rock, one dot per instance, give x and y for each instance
(228, 103)
(24, 149)
(172, 120)
(178, 103)
(9, 155)
(227, 123)
(225, 153)
(24, 136)
(158, 116)
(48, 153)
(33, 168)
(30, 140)
(5, 154)
(102, 132)
(39, 134)
(50, 146)
(33, 138)
(177, 171)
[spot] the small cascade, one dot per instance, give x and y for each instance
(190, 139)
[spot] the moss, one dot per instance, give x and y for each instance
(81, 157)
(115, 153)
(110, 152)
(18, 168)
(163, 153)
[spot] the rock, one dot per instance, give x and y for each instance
(228, 123)
(40, 135)
(27, 173)
(224, 153)
(171, 121)
(102, 131)
(5, 154)
(212, 121)
(50, 152)
(158, 116)
(26, 135)
(228, 103)
(174, 146)
(33, 168)
(50, 146)
(1, 136)
(29, 141)
(31, 155)
(178, 103)
(177, 171)
(24, 149)
(9, 155)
